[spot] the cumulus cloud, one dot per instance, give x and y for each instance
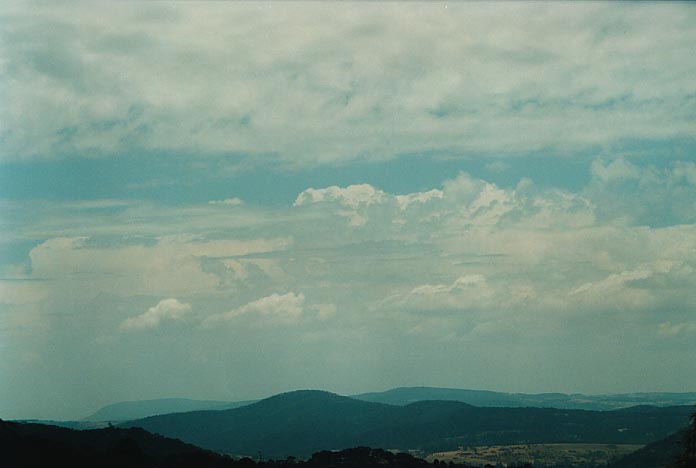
(467, 245)
(463, 201)
(351, 196)
(166, 310)
(418, 197)
(283, 309)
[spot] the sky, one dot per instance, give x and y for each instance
(230, 200)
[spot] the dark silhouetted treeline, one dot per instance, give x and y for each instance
(24, 445)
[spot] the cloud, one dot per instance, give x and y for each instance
(670, 329)
(227, 201)
(324, 311)
(475, 266)
(468, 79)
(166, 310)
(650, 194)
(418, 197)
(462, 201)
(459, 284)
(617, 170)
(468, 258)
(161, 266)
(275, 309)
(352, 196)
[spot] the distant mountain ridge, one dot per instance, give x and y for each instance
(406, 395)
(401, 396)
(299, 423)
(126, 410)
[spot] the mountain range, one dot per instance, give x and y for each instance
(407, 395)
(402, 396)
(302, 422)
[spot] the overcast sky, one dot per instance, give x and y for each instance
(230, 200)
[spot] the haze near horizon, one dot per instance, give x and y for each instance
(226, 201)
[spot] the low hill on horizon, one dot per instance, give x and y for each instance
(127, 410)
(302, 422)
(406, 395)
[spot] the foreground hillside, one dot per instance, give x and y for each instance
(659, 454)
(40, 445)
(300, 423)
(25, 445)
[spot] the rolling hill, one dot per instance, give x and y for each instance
(299, 423)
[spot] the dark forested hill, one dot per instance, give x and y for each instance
(659, 454)
(302, 422)
(40, 445)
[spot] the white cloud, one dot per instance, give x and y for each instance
(356, 199)
(352, 196)
(460, 283)
(418, 197)
(170, 265)
(275, 309)
(463, 202)
(614, 281)
(166, 310)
